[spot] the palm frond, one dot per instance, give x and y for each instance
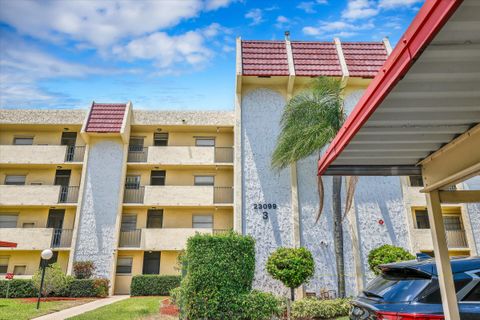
(351, 185)
(310, 121)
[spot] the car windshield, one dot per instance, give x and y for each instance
(395, 289)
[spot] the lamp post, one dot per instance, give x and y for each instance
(45, 255)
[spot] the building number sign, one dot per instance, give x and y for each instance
(265, 206)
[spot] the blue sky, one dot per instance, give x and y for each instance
(162, 54)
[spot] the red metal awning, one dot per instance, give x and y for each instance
(425, 95)
(6, 244)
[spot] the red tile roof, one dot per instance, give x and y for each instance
(106, 117)
(264, 58)
(311, 58)
(364, 59)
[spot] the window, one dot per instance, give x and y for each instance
(129, 222)
(473, 295)
(157, 178)
(23, 141)
(202, 221)
(15, 180)
(154, 219)
(8, 220)
(132, 182)
(416, 181)
(20, 270)
(135, 144)
(151, 262)
(452, 223)
(204, 180)
(160, 139)
(205, 142)
(421, 218)
(3, 265)
(124, 265)
(28, 225)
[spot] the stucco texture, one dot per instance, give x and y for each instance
(100, 204)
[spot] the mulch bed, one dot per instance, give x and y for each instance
(168, 308)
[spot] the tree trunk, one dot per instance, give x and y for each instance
(338, 233)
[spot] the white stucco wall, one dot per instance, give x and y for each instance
(100, 204)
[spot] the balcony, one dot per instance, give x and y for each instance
(37, 195)
(40, 154)
(37, 238)
(181, 155)
(179, 195)
(159, 239)
(456, 239)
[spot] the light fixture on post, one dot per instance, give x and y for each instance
(46, 255)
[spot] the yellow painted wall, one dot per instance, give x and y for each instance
(169, 263)
(177, 138)
(39, 137)
(39, 216)
(182, 218)
(31, 259)
(185, 177)
(44, 176)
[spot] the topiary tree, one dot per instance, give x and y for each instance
(292, 266)
(387, 254)
(55, 280)
(83, 269)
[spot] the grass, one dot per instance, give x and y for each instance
(128, 309)
(20, 309)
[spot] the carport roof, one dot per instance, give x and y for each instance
(424, 96)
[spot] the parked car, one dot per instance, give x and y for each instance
(410, 290)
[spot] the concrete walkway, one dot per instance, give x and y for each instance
(74, 311)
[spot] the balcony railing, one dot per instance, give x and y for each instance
(68, 194)
(134, 195)
(74, 153)
(223, 154)
(456, 239)
(223, 195)
(137, 154)
(62, 238)
(130, 238)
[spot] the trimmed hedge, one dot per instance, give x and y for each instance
(387, 254)
(258, 305)
(311, 308)
(19, 288)
(153, 285)
(88, 288)
(220, 269)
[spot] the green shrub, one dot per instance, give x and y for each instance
(261, 306)
(153, 285)
(88, 288)
(310, 308)
(292, 266)
(387, 254)
(19, 288)
(55, 280)
(220, 269)
(83, 269)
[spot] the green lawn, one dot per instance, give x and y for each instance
(129, 309)
(19, 309)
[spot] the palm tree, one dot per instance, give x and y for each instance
(309, 122)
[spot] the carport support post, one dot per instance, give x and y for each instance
(442, 259)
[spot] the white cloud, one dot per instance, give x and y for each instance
(309, 6)
(99, 24)
(360, 9)
(282, 22)
(256, 15)
(336, 29)
(392, 4)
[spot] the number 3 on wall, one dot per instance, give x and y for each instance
(265, 215)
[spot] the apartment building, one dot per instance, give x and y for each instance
(121, 187)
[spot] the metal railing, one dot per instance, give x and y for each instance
(62, 238)
(68, 194)
(222, 195)
(75, 154)
(130, 238)
(456, 239)
(224, 154)
(134, 195)
(137, 154)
